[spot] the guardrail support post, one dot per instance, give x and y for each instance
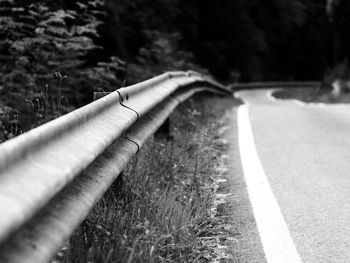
(98, 94)
(117, 187)
(164, 130)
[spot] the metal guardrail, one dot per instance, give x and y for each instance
(273, 84)
(52, 176)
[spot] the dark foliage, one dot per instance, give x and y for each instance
(103, 44)
(260, 39)
(339, 13)
(44, 51)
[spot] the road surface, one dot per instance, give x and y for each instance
(304, 151)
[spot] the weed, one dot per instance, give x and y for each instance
(42, 109)
(59, 89)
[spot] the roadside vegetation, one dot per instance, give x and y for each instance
(163, 208)
(333, 89)
(52, 60)
(335, 82)
(314, 95)
(43, 51)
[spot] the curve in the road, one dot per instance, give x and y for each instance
(305, 151)
(276, 240)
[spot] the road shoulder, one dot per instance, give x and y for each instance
(236, 206)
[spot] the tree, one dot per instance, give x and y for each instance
(338, 11)
(37, 41)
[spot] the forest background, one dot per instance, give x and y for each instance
(54, 54)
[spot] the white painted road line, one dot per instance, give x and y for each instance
(269, 95)
(274, 234)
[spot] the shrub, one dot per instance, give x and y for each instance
(42, 63)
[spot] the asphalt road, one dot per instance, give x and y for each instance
(305, 153)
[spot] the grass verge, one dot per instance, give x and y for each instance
(164, 207)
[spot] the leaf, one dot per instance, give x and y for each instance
(7, 20)
(58, 31)
(81, 6)
(58, 17)
(96, 12)
(18, 9)
(85, 30)
(39, 30)
(96, 3)
(7, 1)
(80, 43)
(19, 46)
(33, 13)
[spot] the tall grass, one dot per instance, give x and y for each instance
(159, 210)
